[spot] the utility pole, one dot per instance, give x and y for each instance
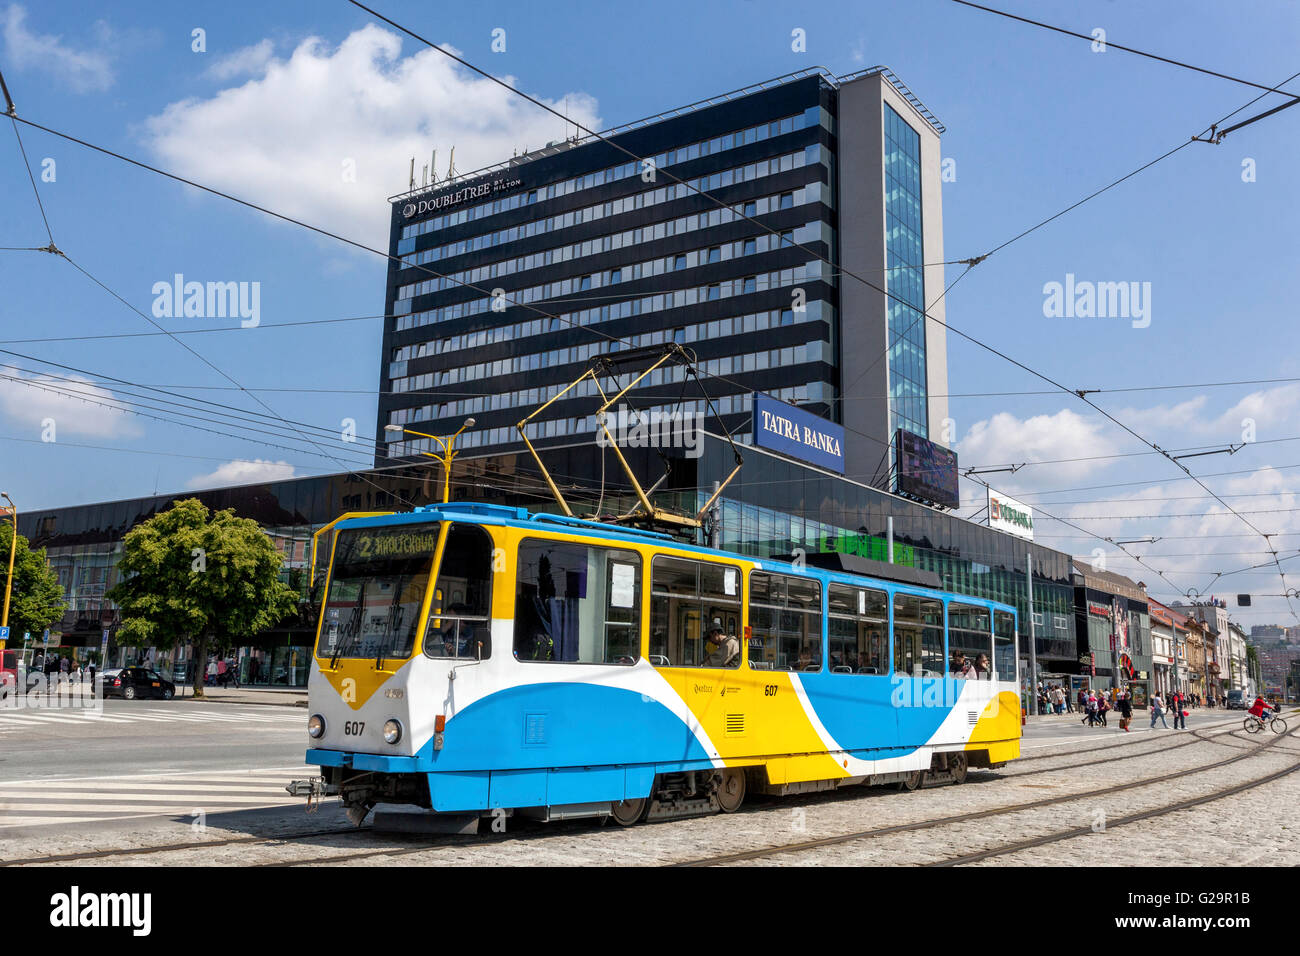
(1033, 639)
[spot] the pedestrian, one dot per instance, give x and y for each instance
(1103, 705)
(1083, 700)
(1158, 711)
(254, 666)
(1177, 702)
(211, 671)
(1069, 703)
(1125, 707)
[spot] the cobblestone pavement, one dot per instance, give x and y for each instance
(1255, 827)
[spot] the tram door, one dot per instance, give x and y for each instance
(918, 667)
(686, 597)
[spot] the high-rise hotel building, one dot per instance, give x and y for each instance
(541, 263)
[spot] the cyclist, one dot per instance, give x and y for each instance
(1261, 709)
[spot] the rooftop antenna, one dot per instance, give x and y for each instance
(433, 165)
(451, 166)
(412, 172)
(424, 175)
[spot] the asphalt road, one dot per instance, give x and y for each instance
(142, 768)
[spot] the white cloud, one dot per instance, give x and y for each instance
(1269, 407)
(1005, 439)
(246, 61)
(287, 137)
(69, 403)
(83, 70)
(1154, 421)
(241, 472)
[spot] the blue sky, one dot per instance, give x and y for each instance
(287, 95)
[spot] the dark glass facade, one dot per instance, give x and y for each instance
(610, 246)
(774, 506)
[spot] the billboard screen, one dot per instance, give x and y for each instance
(926, 470)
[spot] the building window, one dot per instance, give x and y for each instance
(679, 262)
(577, 604)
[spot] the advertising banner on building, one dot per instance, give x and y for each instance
(1007, 514)
(925, 470)
(800, 434)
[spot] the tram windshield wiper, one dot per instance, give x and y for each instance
(355, 629)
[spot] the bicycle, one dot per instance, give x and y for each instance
(1254, 725)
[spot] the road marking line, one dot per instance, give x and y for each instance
(24, 793)
(145, 804)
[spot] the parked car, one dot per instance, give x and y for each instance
(133, 682)
(1236, 700)
(8, 673)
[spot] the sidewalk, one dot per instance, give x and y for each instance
(268, 696)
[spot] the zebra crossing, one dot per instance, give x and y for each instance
(191, 797)
(29, 718)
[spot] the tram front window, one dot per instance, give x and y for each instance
(377, 586)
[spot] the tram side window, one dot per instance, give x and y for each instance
(970, 642)
(577, 604)
(785, 620)
(1004, 645)
(460, 622)
(918, 636)
(694, 614)
(858, 638)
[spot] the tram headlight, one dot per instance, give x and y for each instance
(316, 727)
(392, 731)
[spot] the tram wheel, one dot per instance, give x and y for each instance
(912, 781)
(731, 792)
(958, 766)
(627, 812)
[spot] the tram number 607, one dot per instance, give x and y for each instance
(769, 690)
(353, 728)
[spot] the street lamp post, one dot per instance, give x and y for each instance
(9, 581)
(448, 451)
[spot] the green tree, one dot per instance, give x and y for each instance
(192, 575)
(37, 599)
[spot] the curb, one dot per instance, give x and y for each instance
(254, 703)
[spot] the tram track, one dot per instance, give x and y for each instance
(1115, 823)
(109, 853)
(983, 814)
(1122, 744)
(1194, 737)
(254, 841)
(845, 838)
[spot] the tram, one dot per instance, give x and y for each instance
(475, 659)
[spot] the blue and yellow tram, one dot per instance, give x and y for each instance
(472, 658)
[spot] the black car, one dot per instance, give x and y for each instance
(133, 682)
